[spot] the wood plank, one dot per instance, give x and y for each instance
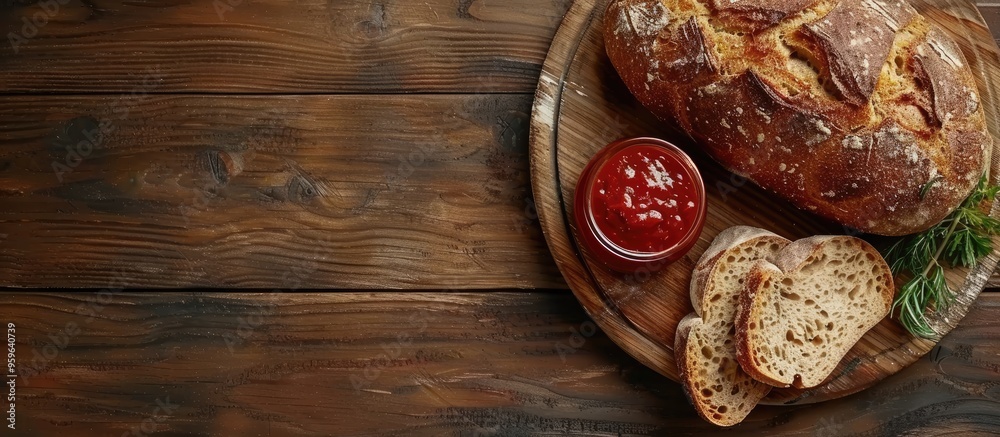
(276, 46)
(385, 364)
(426, 191)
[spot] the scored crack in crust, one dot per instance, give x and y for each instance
(861, 111)
(705, 342)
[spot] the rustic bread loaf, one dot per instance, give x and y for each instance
(861, 111)
(705, 345)
(802, 311)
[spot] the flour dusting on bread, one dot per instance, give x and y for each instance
(862, 98)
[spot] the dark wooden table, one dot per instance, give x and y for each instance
(376, 150)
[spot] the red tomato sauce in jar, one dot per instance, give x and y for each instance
(644, 200)
(639, 204)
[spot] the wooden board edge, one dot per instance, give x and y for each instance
(555, 226)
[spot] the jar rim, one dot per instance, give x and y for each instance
(614, 149)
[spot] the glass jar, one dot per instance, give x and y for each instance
(639, 204)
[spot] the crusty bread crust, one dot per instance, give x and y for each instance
(860, 111)
(704, 346)
(859, 309)
(680, 349)
(760, 272)
(684, 361)
(727, 239)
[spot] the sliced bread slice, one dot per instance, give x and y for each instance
(705, 343)
(803, 311)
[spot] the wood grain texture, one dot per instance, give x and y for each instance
(275, 46)
(582, 105)
(269, 192)
(364, 364)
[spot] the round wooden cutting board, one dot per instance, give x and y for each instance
(581, 105)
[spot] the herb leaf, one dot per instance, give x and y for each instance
(959, 240)
(927, 187)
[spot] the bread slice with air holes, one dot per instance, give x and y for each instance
(705, 343)
(802, 311)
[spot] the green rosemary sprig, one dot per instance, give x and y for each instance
(959, 240)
